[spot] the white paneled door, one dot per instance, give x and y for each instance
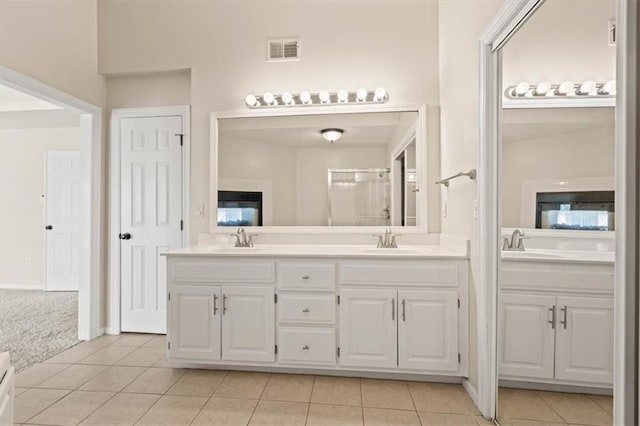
(62, 228)
(151, 217)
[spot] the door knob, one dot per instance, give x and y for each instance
(48, 227)
(125, 236)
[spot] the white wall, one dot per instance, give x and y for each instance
(571, 156)
(344, 44)
(22, 184)
(563, 40)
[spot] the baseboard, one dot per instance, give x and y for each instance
(471, 390)
(10, 286)
(112, 330)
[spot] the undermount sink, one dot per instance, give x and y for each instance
(532, 254)
(389, 251)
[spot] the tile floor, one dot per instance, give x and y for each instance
(125, 380)
(532, 408)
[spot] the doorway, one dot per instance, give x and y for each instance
(149, 204)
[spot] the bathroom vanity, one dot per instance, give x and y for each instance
(556, 317)
(354, 310)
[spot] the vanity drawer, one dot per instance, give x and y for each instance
(307, 275)
(305, 345)
(307, 308)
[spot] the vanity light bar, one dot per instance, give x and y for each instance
(323, 97)
(567, 89)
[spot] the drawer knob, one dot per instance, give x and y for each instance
(305, 348)
(305, 310)
(305, 277)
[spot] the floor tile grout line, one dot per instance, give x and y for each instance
(54, 402)
(208, 399)
(313, 383)
(537, 393)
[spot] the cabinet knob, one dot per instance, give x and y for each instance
(305, 277)
(305, 348)
(305, 310)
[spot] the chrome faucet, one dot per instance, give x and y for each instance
(388, 240)
(242, 239)
(516, 242)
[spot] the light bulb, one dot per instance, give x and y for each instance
(609, 88)
(269, 98)
(287, 98)
(305, 97)
(380, 94)
(343, 96)
(522, 88)
(251, 101)
(542, 88)
(587, 88)
(565, 88)
(324, 96)
(361, 95)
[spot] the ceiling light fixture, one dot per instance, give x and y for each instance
(322, 98)
(331, 135)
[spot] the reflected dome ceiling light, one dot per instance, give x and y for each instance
(542, 88)
(287, 99)
(251, 101)
(324, 96)
(305, 98)
(321, 98)
(331, 135)
(343, 96)
(522, 88)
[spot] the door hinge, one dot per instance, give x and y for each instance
(338, 350)
(459, 358)
(338, 299)
(276, 349)
(458, 303)
(169, 345)
(181, 138)
(181, 225)
(275, 298)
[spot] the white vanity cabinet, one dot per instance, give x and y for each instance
(557, 332)
(359, 315)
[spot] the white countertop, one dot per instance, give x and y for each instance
(559, 256)
(327, 251)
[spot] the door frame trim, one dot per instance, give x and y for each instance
(91, 258)
(114, 311)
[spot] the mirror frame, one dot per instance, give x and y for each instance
(421, 163)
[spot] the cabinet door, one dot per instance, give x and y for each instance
(368, 328)
(584, 339)
(526, 335)
(248, 324)
(428, 330)
(194, 322)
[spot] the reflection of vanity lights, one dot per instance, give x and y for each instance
(331, 135)
(324, 97)
(566, 89)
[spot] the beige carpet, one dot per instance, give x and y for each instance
(36, 325)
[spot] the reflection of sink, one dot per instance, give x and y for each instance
(389, 251)
(532, 255)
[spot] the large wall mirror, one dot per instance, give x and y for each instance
(318, 169)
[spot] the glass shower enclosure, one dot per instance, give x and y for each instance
(359, 197)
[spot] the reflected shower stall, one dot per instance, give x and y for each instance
(359, 197)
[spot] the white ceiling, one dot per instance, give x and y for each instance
(540, 123)
(12, 100)
(370, 129)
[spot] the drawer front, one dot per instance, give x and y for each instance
(307, 308)
(222, 271)
(307, 275)
(401, 272)
(303, 345)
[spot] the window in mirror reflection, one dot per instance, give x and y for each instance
(239, 208)
(578, 210)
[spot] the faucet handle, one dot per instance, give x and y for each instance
(505, 243)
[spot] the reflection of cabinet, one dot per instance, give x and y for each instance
(556, 338)
(409, 329)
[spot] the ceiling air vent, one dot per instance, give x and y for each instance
(284, 49)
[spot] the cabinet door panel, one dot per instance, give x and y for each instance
(584, 342)
(525, 336)
(368, 328)
(194, 322)
(428, 330)
(248, 324)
